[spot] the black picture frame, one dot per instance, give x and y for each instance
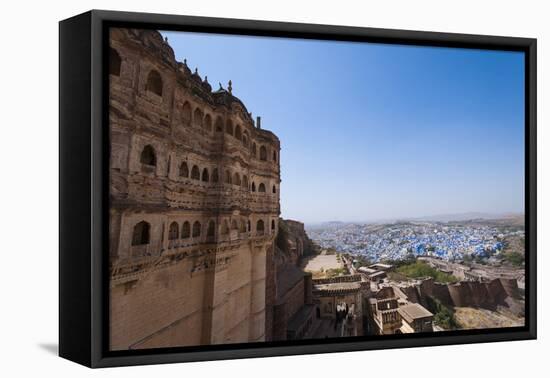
(84, 192)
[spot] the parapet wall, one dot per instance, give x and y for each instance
(487, 295)
(347, 278)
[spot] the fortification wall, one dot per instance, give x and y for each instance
(468, 293)
(194, 187)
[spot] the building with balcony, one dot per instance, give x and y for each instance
(194, 203)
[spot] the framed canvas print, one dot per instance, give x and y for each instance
(234, 188)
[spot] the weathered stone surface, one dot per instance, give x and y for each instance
(194, 204)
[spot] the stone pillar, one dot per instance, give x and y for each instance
(257, 302)
(219, 304)
(270, 292)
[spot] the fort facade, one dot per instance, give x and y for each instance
(194, 203)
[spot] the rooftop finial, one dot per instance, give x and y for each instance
(196, 71)
(166, 39)
(229, 87)
(185, 62)
(205, 78)
(220, 85)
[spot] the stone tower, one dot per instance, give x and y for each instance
(194, 190)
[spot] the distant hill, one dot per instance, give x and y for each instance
(465, 217)
(512, 218)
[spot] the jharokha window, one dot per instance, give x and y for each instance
(219, 125)
(186, 114)
(207, 123)
(227, 177)
(197, 118)
(173, 231)
(154, 83)
(195, 173)
(260, 227)
(263, 153)
(148, 156)
(184, 170)
(141, 233)
(237, 179)
(185, 230)
(205, 176)
(211, 229)
(196, 229)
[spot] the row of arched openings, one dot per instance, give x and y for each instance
(188, 231)
(141, 234)
(198, 118)
(148, 157)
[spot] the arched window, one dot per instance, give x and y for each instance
(205, 176)
(254, 151)
(186, 230)
(275, 156)
(273, 224)
(211, 231)
(242, 227)
(248, 225)
(207, 123)
(253, 186)
(234, 225)
(261, 188)
(114, 62)
(184, 170)
(148, 156)
(154, 83)
(225, 227)
(245, 181)
(141, 236)
(186, 114)
(274, 190)
(196, 229)
(173, 231)
(227, 177)
(260, 227)
(197, 118)
(237, 179)
(245, 139)
(195, 173)
(263, 153)
(238, 133)
(229, 127)
(219, 125)
(215, 176)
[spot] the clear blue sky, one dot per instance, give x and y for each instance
(373, 131)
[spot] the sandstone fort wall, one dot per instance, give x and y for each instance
(194, 190)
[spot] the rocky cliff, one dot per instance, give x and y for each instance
(283, 273)
(292, 243)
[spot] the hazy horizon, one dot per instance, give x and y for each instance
(436, 217)
(372, 131)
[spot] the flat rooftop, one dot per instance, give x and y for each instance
(414, 311)
(338, 286)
